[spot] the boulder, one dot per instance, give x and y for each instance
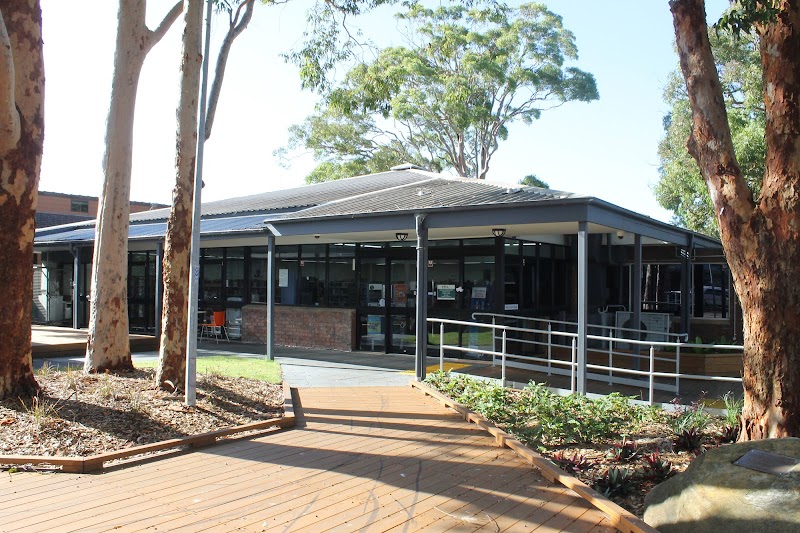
(715, 495)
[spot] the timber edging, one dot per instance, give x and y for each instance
(621, 518)
(94, 463)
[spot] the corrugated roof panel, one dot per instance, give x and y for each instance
(436, 193)
(299, 197)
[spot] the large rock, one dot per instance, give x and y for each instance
(714, 495)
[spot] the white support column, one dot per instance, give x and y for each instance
(271, 297)
(422, 298)
(583, 303)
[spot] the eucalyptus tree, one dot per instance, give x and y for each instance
(680, 187)
(447, 98)
(21, 141)
(760, 233)
(108, 347)
(319, 49)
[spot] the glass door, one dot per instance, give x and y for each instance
(402, 313)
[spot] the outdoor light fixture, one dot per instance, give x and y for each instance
(620, 234)
(498, 232)
(401, 236)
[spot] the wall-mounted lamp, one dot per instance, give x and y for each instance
(316, 236)
(401, 236)
(498, 232)
(620, 234)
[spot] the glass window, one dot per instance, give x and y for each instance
(79, 206)
(234, 275)
(312, 274)
(712, 290)
(661, 288)
(288, 268)
(372, 292)
(444, 279)
(479, 282)
(341, 276)
(258, 274)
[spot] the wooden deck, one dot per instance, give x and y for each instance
(360, 459)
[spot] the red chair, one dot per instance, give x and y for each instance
(216, 327)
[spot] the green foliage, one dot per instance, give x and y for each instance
(448, 97)
(615, 482)
(328, 40)
(681, 189)
(532, 181)
(744, 15)
(657, 469)
(733, 408)
(689, 439)
(231, 366)
(623, 452)
(537, 416)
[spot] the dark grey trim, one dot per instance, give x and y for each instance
(422, 298)
(270, 297)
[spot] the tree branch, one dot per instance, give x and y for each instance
(154, 36)
(9, 116)
(710, 142)
(234, 30)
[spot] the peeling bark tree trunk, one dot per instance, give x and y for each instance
(108, 347)
(178, 243)
(21, 101)
(177, 255)
(761, 241)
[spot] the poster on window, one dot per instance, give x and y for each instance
(479, 293)
(399, 294)
(283, 277)
(374, 324)
(445, 292)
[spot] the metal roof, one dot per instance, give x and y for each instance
(214, 226)
(299, 197)
(385, 197)
(431, 193)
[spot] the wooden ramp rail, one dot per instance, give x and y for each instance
(621, 518)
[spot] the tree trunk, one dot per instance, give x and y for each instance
(108, 346)
(19, 179)
(761, 241)
(178, 243)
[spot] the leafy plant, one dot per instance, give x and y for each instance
(575, 463)
(623, 452)
(615, 482)
(733, 409)
(693, 416)
(729, 434)
(690, 440)
(657, 469)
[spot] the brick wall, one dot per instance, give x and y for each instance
(307, 327)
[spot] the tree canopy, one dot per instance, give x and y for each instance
(447, 98)
(533, 181)
(681, 188)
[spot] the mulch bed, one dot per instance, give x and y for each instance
(81, 415)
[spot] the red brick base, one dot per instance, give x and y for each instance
(307, 327)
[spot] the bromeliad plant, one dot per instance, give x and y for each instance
(573, 464)
(657, 469)
(615, 482)
(623, 452)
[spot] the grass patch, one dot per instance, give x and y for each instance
(231, 366)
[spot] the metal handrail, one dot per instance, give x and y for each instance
(650, 373)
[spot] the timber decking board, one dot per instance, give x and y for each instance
(376, 459)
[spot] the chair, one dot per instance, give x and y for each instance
(216, 327)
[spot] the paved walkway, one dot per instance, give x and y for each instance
(361, 459)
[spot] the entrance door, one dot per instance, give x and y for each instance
(402, 308)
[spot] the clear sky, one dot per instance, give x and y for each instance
(607, 148)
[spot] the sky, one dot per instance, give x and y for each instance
(606, 148)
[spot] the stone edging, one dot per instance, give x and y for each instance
(94, 463)
(621, 518)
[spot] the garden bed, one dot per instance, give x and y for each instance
(620, 449)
